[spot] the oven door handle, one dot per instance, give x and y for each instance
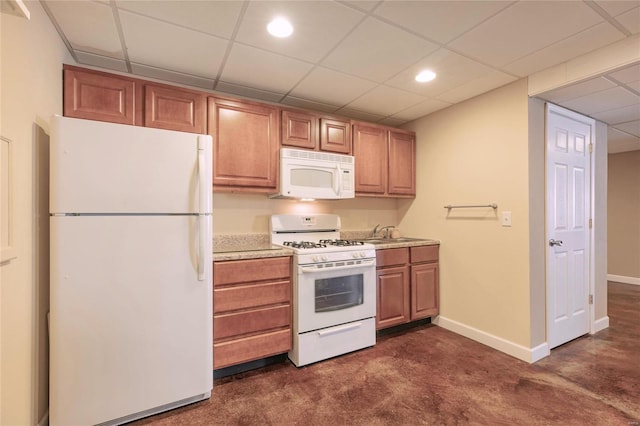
(336, 268)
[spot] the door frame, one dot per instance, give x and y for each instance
(591, 241)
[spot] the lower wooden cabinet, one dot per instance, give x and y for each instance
(407, 285)
(251, 310)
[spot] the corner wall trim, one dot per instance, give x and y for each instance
(600, 324)
(623, 279)
(520, 352)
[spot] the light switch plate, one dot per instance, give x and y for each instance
(506, 218)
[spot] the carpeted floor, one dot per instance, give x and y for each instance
(431, 376)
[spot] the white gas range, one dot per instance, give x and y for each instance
(334, 287)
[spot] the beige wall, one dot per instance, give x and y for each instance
(624, 214)
(247, 214)
(31, 86)
(476, 152)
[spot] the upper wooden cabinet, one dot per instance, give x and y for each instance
(245, 145)
(173, 108)
(370, 151)
(385, 161)
(95, 95)
(299, 129)
(402, 163)
(335, 135)
(304, 129)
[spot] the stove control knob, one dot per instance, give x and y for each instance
(355, 254)
(363, 254)
(324, 258)
(316, 258)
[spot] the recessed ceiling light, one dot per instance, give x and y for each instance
(280, 27)
(424, 76)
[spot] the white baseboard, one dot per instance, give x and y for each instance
(623, 279)
(600, 324)
(523, 353)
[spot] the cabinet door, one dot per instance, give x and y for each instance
(424, 290)
(245, 145)
(299, 129)
(335, 135)
(393, 297)
(402, 163)
(100, 96)
(172, 108)
(370, 151)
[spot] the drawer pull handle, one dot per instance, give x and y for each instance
(335, 330)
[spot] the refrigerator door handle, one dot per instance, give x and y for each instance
(203, 201)
(202, 225)
(202, 181)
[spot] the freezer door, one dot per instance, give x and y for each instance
(130, 323)
(101, 167)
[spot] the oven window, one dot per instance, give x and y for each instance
(333, 294)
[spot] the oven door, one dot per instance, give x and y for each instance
(330, 294)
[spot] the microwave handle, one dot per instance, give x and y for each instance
(337, 180)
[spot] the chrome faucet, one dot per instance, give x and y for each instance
(377, 229)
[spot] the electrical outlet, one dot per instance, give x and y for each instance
(506, 218)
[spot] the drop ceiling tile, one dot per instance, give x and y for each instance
(175, 77)
(331, 87)
(95, 33)
(421, 109)
(307, 104)
(524, 28)
(627, 75)
(377, 51)
(441, 21)
(216, 18)
(359, 115)
(487, 82)
(393, 122)
(318, 27)
(577, 90)
(167, 46)
(251, 67)
(619, 115)
(578, 44)
(365, 5)
(632, 127)
(101, 61)
(451, 68)
(630, 20)
(618, 141)
(385, 100)
(605, 100)
(614, 8)
(248, 92)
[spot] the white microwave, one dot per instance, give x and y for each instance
(314, 174)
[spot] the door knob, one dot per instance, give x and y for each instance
(553, 242)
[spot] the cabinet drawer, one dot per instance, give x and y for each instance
(392, 257)
(239, 271)
(255, 320)
(250, 348)
(424, 253)
(252, 295)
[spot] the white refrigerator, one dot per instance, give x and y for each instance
(131, 271)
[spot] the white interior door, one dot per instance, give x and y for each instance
(568, 208)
